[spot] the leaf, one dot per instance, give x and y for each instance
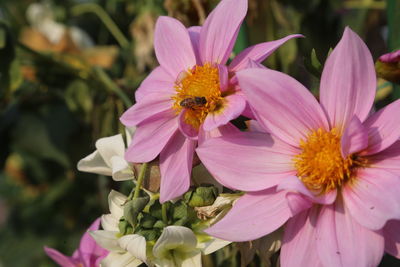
(133, 207)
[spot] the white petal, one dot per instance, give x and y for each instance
(116, 200)
(116, 259)
(109, 223)
(94, 163)
(213, 245)
(110, 146)
(175, 238)
(121, 171)
(193, 261)
(106, 239)
(135, 245)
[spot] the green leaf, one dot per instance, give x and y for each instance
(133, 207)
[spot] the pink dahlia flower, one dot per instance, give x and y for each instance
(191, 93)
(329, 171)
(89, 254)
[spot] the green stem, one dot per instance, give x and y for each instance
(140, 179)
(104, 17)
(103, 77)
(164, 213)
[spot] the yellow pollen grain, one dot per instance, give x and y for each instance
(200, 81)
(320, 165)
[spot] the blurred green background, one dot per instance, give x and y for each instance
(69, 68)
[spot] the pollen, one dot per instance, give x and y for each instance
(320, 165)
(200, 82)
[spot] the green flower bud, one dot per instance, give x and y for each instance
(159, 224)
(202, 196)
(147, 221)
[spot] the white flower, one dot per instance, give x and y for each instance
(125, 251)
(108, 159)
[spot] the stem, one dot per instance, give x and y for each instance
(140, 180)
(104, 17)
(164, 213)
(103, 77)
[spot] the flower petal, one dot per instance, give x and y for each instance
(258, 53)
(244, 222)
(298, 244)
(219, 32)
(107, 240)
(227, 129)
(260, 161)
(116, 200)
(293, 184)
(281, 104)
(383, 128)
(213, 245)
(354, 138)
(121, 171)
(223, 77)
(94, 163)
(173, 46)
(391, 232)
(150, 138)
(135, 245)
(118, 259)
(348, 81)
(388, 159)
(150, 105)
(59, 258)
(109, 222)
(194, 34)
(88, 246)
(175, 238)
(186, 129)
(158, 81)
(373, 198)
(110, 146)
(232, 108)
(176, 167)
(341, 241)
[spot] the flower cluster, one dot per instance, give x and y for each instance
(324, 172)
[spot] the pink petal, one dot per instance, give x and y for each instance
(293, 184)
(227, 129)
(176, 166)
(354, 138)
(247, 161)
(223, 77)
(60, 258)
(158, 81)
(258, 53)
(219, 32)
(348, 81)
(298, 244)
(253, 64)
(173, 46)
(373, 198)
(388, 159)
(150, 105)
(281, 104)
(244, 222)
(186, 129)
(194, 34)
(391, 232)
(248, 112)
(88, 250)
(233, 107)
(383, 128)
(150, 138)
(341, 241)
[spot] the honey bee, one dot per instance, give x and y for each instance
(193, 102)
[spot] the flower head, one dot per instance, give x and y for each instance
(89, 254)
(328, 172)
(191, 93)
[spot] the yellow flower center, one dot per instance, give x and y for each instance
(320, 165)
(199, 93)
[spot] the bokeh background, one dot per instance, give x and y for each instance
(69, 69)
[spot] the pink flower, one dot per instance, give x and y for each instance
(89, 254)
(392, 57)
(329, 171)
(191, 92)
